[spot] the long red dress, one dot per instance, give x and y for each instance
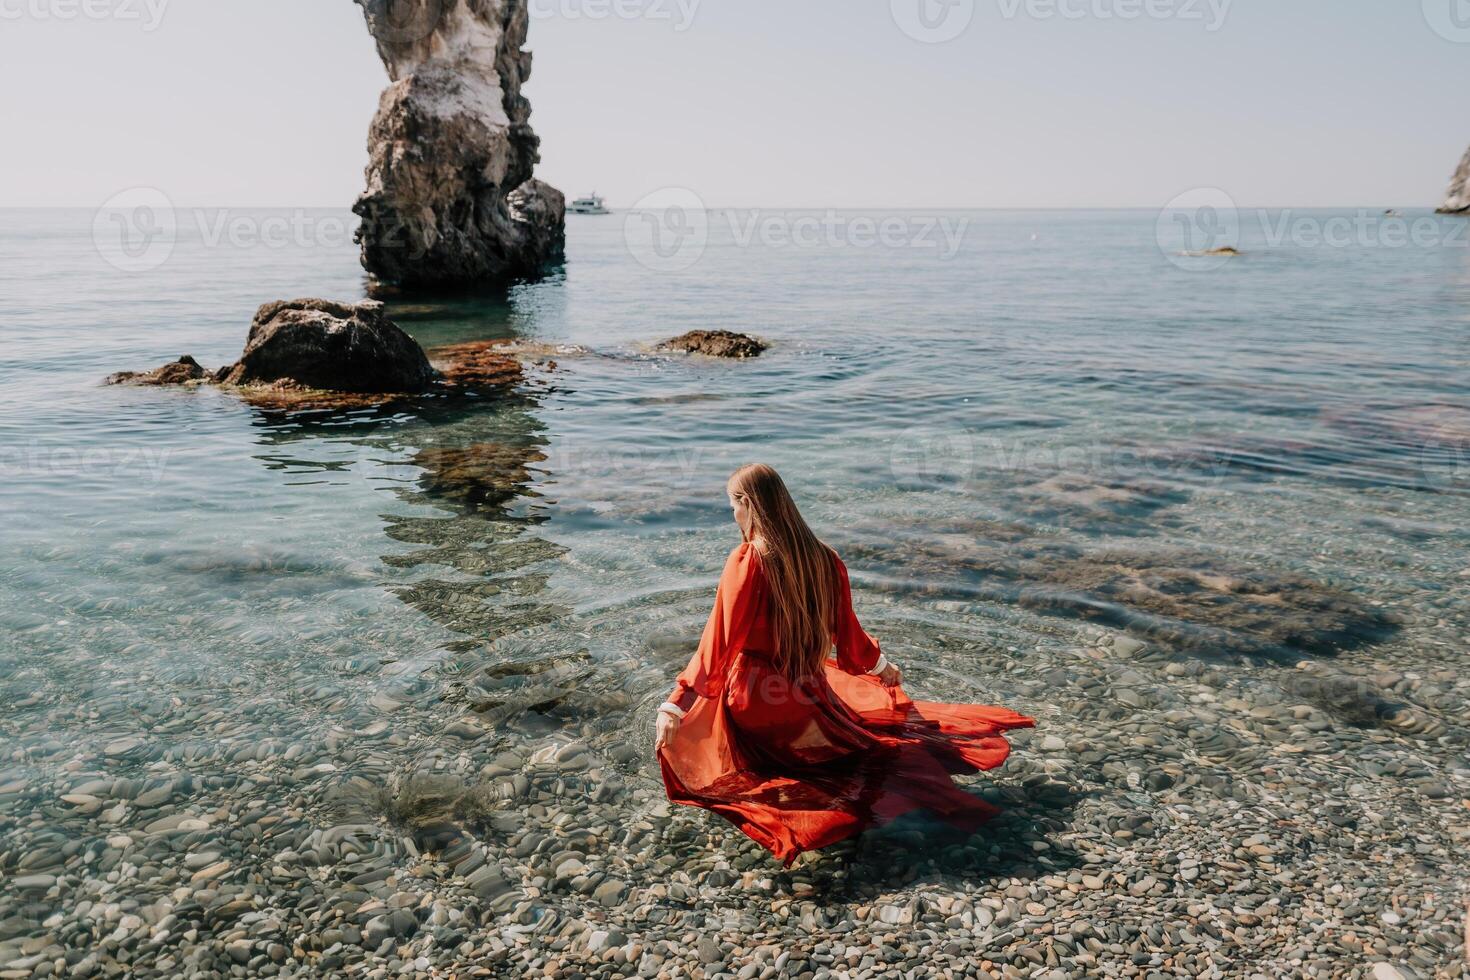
(801, 766)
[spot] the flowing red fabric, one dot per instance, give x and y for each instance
(799, 766)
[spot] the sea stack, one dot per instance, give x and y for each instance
(450, 199)
(1458, 201)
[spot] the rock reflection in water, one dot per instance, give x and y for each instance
(485, 474)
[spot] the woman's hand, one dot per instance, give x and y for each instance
(668, 727)
(891, 676)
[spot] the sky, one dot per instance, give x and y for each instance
(771, 103)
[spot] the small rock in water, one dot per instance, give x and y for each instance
(716, 343)
(179, 372)
(709, 951)
(1128, 646)
(34, 882)
(316, 343)
(609, 893)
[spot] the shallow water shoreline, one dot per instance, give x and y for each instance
(1164, 817)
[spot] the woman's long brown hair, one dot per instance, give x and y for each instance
(799, 568)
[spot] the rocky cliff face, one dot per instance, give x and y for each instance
(1458, 201)
(449, 199)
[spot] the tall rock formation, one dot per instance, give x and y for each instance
(450, 200)
(1458, 201)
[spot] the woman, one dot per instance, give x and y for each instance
(797, 749)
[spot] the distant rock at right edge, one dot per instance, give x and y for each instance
(1458, 201)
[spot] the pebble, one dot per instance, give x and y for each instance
(28, 883)
(210, 871)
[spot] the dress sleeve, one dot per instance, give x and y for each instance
(857, 652)
(736, 603)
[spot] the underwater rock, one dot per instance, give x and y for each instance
(482, 474)
(1353, 700)
(477, 365)
(1098, 505)
(1375, 455)
(450, 199)
(716, 343)
(1194, 601)
(1427, 442)
(1411, 426)
(1182, 600)
(179, 372)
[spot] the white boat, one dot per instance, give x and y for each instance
(591, 204)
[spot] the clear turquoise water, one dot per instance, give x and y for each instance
(181, 531)
(182, 576)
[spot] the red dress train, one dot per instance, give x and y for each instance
(801, 766)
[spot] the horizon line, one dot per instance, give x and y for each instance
(780, 207)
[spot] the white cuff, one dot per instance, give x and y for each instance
(881, 665)
(672, 709)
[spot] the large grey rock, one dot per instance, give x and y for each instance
(450, 199)
(1458, 200)
(316, 343)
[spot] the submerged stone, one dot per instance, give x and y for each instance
(484, 473)
(179, 372)
(477, 365)
(1184, 600)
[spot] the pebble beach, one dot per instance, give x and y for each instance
(1210, 833)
